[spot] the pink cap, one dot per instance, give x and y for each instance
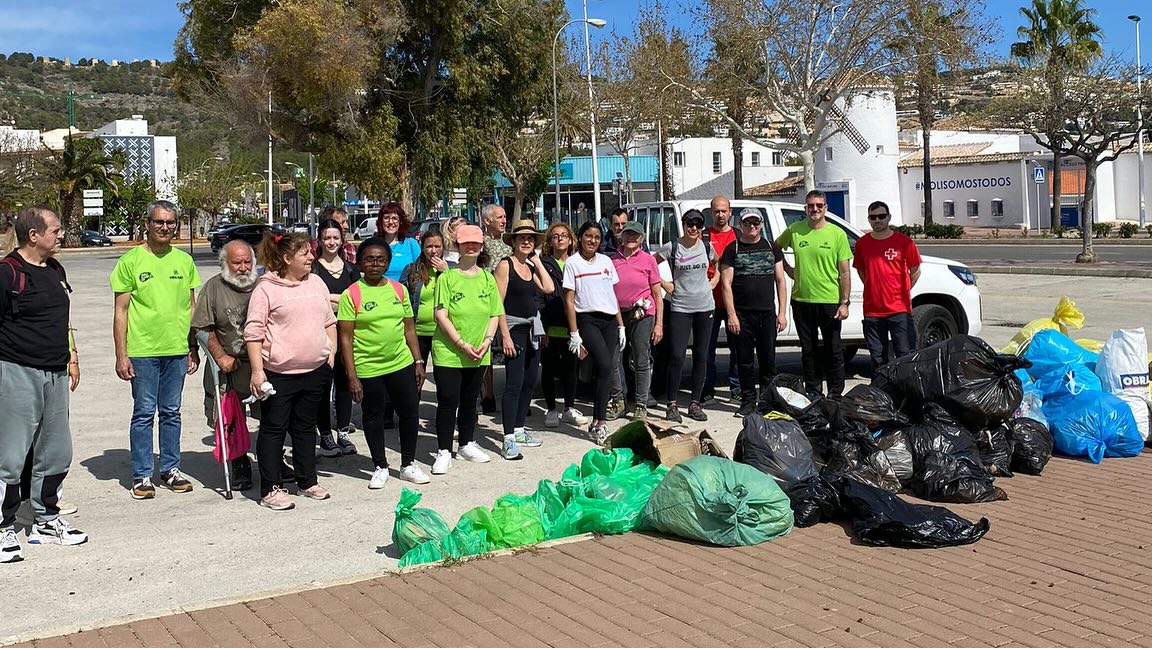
(469, 234)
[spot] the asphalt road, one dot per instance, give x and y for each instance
(1055, 252)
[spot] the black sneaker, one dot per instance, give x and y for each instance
(242, 473)
(696, 412)
(746, 409)
(488, 405)
(143, 489)
(175, 481)
(328, 447)
(673, 414)
(708, 399)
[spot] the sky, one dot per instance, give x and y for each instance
(143, 29)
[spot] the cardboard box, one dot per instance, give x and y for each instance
(665, 443)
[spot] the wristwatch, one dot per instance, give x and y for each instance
(846, 302)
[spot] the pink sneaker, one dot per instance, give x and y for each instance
(316, 492)
(277, 500)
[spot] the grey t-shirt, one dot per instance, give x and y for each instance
(692, 292)
(222, 308)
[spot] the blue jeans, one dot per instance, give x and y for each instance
(900, 329)
(157, 388)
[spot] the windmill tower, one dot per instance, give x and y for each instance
(857, 165)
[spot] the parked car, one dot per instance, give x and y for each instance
(366, 229)
(945, 300)
(89, 238)
(252, 233)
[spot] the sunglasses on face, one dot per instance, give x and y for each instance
(878, 216)
(752, 222)
(694, 223)
(814, 206)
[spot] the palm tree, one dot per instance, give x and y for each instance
(82, 165)
(1062, 39)
(933, 36)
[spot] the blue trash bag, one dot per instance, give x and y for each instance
(1093, 424)
(1050, 350)
(1032, 405)
(1070, 379)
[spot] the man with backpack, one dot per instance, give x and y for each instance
(39, 367)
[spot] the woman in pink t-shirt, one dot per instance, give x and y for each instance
(290, 334)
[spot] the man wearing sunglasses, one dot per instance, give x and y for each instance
(154, 284)
(822, 284)
(752, 269)
(889, 265)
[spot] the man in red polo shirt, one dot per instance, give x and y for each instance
(720, 235)
(889, 265)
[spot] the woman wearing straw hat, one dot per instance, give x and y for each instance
(522, 280)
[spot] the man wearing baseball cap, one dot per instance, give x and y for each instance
(751, 268)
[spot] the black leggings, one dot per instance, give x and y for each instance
(290, 411)
(425, 342)
(680, 326)
(601, 335)
(342, 400)
(556, 361)
(401, 387)
(456, 393)
(520, 376)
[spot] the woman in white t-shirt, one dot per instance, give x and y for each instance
(593, 317)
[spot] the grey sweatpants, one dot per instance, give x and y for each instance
(636, 358)
(33, 415)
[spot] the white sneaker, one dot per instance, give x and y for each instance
(572, 416)
(10, 546)
(57, 531)
(412, 473)
(379, 478)
(552, 419)
(443, 462)
(472, 452)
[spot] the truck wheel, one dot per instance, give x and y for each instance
(933, 324)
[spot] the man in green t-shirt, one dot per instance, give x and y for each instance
(155, 288)
(822, 284)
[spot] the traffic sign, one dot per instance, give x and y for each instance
(1038, 175)
(93, 193)
(93, 202)
(93, 211)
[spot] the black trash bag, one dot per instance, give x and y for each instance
(895, 447)
(871, 406)
(775, 444)
(815, 500)
(849, 449)
(882, 519)
(965, 375)
(1033, 445)
(995, 448)
(786, 394)
(945, 462)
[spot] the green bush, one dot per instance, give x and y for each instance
(1059, 230)
(1148, 228)
(910, 230)
(1128, 230)
(1101, 230)
(938, 231)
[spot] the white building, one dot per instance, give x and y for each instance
(145, 155)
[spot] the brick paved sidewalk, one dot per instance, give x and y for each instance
(1065, 564)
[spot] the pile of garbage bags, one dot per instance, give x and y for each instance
(710, 499)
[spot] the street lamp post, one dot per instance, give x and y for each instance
(271, 205)
(1139, 119)
(595, 22)
(592, 107)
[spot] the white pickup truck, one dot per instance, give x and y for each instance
(945, 300)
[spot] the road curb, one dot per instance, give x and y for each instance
(1119, 273)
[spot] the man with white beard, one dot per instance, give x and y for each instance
(220, 312)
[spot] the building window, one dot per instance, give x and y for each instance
(755, 158)
(777, 158)
(949, 209)
(827, 153)
(973, 209)
(716, 167)
(997, 208)
(677, 158)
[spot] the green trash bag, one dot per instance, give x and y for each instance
(415, 526)
(717, 500)
(513, 522)
(463, 541)
(609, 503)
(550, 504)
(606, 462)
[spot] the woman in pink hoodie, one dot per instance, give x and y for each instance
(291, 338)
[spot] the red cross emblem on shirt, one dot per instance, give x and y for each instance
(891, 254)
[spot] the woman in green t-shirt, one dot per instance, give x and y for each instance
(420, 280)
(382, 357)
(467, 311)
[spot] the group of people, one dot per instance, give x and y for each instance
(328, 324)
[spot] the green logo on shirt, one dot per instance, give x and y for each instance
(145, 276)
(369, 306)
(803, 244)
(456, 297)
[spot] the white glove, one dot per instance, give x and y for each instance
(574, 342)
(623, 338)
